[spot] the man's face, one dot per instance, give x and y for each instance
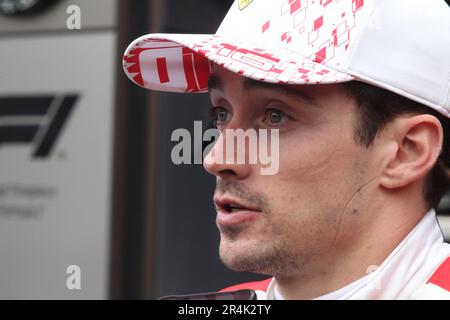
(295, 221)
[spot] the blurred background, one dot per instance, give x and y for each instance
(86, 178)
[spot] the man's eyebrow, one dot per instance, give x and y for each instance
(286, 88)
(214, 82)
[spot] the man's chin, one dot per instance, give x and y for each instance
(238, 263)
(242, 255)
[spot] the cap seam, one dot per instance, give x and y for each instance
(355, 45)
(399, 91)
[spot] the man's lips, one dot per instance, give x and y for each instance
(231, 211)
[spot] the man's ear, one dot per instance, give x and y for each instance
(418, 140)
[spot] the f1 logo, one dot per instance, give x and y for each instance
(34, 119)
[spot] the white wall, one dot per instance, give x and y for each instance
(55, 211)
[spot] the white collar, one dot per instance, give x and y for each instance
(403, 272)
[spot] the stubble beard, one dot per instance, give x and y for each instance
(275, 254)
(270, 257)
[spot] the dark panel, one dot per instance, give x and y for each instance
(195, 16)
(128, 247)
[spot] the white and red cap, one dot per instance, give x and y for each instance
(400, 45)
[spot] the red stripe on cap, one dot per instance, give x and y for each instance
(196, 70)
(295, 5)
(266, 26)
(163, 73)
(321, 55)
(188, 66)
(318, 23)
(202, 70)
(441, 277)
(134, 64)
(138, 79)
(357, 4)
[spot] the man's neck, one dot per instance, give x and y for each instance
(340, 266)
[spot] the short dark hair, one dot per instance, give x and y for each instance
(378, 107)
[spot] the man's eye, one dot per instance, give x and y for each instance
(275, 116)
(219, 115)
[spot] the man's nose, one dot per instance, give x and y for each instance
(222, 162)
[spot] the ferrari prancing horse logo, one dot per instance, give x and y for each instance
(244, 3)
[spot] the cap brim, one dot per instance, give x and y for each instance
(182, 63)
